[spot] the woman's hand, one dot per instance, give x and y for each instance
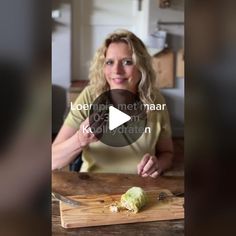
(69, 143)
(149, 166)
(152, 166)
(85, 136)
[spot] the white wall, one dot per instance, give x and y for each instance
(61, 44)
(61, 61)
(93, 20)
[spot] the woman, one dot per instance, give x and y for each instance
(121, 63)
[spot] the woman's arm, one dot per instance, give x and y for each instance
(153, 166)
(69, 143)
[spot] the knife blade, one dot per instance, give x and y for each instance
(66, 200)
(164, 195)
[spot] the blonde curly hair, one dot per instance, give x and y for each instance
(141, 58)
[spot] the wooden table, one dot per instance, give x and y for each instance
(72, 183)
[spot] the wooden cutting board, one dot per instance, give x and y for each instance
(94, 210)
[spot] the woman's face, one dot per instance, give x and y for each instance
(119, 70)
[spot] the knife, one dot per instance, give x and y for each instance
(164, 195)
(66, 200)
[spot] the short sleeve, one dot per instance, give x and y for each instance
(165, 119)
(76, 114)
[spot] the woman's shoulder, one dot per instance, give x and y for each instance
(86, 95)
(87, 90)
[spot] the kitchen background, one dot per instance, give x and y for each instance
(79, 28)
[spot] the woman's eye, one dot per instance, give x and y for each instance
(127, 62)
(109, 62)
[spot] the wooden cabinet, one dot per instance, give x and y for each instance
(180, 64)
(163, 64)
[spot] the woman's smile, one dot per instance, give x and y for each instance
(119, 80)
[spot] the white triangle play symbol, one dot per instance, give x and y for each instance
(117, 118)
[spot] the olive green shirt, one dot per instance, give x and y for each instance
(99, 157)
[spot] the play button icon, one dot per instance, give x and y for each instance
(117, 118)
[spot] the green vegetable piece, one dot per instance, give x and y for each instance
(134, 199)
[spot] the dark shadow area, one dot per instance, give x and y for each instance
(175, 106)
(14, 94)
(58, 108)
(175, 42)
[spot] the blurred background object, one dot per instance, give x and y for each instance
(210, 57)
(164, 3)
(25, 135)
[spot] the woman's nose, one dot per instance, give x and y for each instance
(118, 68)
